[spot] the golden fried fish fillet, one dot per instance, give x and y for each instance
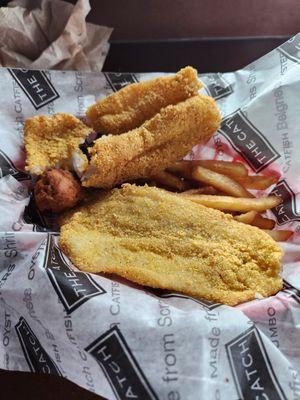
(134, 104)
(158, 239)
(50, 141)
(155, 145)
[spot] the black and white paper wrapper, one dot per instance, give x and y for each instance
(125, 342)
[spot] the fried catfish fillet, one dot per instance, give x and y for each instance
(158, 239)
(50, 141)
(134, 104)
(155, 145)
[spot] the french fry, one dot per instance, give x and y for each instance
(219, 181)
(258, 182)
(181, 168)
(172, 181)
(201, 190)
(246, 218)
(233, 203)
(279, 236)
(234, 170)
(263, 223)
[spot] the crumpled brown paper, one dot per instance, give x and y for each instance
(51, 34)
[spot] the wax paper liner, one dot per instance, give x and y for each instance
(30, 36)
(122, 341)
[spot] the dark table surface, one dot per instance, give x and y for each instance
(205, 54)
(208, 56)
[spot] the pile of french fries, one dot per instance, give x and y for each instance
(224, 185)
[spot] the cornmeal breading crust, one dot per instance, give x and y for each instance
(157, 239)
(155, 145)
(50, 141)
(134, 104)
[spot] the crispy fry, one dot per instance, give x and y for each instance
(246, 218)
(220, 182)
(167, 179)
(263, 223)
(134, 104)
(258, 182)
(201, 190)
(181, 169)
(279, 236)
(235, 204)
(234, 170)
